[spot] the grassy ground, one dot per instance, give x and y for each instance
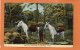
(34, 39)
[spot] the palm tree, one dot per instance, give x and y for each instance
(11, 10)
(37, 10)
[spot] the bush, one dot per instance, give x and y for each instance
(69, 36)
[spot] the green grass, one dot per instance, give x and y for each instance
(34, 39)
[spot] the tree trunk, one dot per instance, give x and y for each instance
(10, 16)
(37, 12)
(44, 15)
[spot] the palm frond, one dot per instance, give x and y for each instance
(30, 4)
(24, 6)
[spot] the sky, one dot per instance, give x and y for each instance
(33, 7)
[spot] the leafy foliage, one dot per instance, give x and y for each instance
(53, 13)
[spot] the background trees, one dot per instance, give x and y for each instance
(56, 14)
(53, 13)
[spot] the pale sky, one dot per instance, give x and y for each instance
(33, 7)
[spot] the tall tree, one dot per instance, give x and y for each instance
(12, 11)
(37, 10)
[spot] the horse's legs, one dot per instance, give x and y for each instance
(37, 34)
(26, 34)
(62, 34)
(52, 37)
(32, 33)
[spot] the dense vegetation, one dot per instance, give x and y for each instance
(56, 14)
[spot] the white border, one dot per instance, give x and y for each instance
(37, 45)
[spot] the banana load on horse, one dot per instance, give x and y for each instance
(60, 27)
(33, 27)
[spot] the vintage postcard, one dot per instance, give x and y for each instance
(38, 24)
(51, 24)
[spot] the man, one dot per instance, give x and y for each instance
(41, 29)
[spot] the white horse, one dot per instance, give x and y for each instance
(24, 27)
(52, 30)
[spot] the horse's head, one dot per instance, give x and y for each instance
(46, 25)
(19, 23)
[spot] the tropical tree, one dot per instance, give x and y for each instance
(37, 10)
(13, 12)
